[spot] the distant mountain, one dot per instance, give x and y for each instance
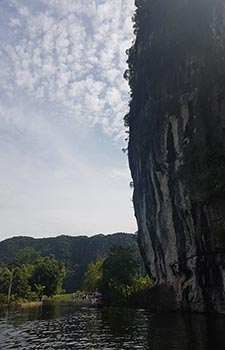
(75, 252)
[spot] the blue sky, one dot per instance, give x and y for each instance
(62, 102)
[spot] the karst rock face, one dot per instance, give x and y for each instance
(177, 148)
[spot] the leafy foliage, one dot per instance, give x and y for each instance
(140, 284)
(204, 171)
(25, 256)
(20, 286)
(120, 266)
(118, 271)
(42, 275)
(75, 252)
(4, 282)
(93, 276)
(116, 276)
(48, 276)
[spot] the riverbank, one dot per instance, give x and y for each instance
(27, 303)
(30, 304)
(54, 299)
(21, 304)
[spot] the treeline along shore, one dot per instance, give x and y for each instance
(31, 269)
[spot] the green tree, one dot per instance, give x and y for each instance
(118, 271)
(48, 273)
(5, 275)
(140, 284)
(20, 282)
(39, 289)
(93, 276)
(25, 256)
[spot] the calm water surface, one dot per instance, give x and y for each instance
(68, 326)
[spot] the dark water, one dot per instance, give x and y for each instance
(68, 326)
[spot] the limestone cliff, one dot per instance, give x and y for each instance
(177, 147)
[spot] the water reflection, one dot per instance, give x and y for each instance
(68, 326)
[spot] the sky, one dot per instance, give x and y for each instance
(62, 103)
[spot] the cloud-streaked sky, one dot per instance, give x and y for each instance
(62, 102)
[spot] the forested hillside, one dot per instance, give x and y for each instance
(75, 252)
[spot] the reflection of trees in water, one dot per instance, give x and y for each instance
(113, 328)
(17, 314)
(51, 310)
(120, 326)
(93, 326)
(187, 331)
(119, 320)
(127, 326)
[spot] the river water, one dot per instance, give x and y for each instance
(66, 325)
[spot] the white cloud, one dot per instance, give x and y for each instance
(65, 42)
(61, 68)
(15, 22)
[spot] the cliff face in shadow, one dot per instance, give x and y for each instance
(177, 148)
